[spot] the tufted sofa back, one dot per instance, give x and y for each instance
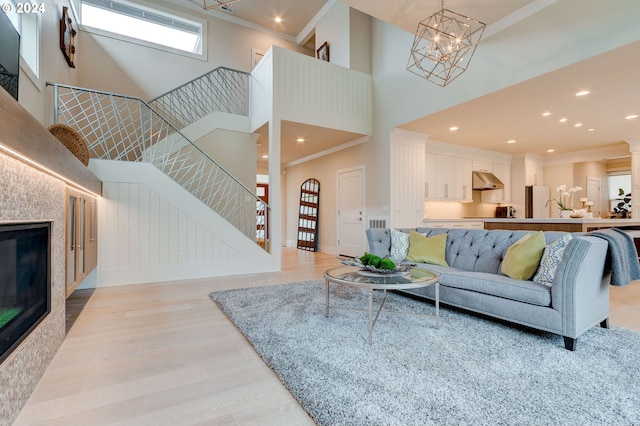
(477, 250)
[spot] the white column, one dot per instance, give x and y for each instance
(275, 188)
(634, 149)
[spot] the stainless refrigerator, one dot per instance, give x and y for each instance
(536, 202)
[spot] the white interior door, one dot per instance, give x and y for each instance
(593, 194)
(351, 204)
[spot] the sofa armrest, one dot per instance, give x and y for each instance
(379, 241)
(580, 289)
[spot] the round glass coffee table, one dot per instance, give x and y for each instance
(355, 277)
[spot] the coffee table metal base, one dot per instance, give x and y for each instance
(373, 319)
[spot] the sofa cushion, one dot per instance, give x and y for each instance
(523, 257)
(551, 258)
(399, 246)
(379, 241)
(496, 285)
(427, 249)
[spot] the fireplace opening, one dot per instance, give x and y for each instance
(25, 281)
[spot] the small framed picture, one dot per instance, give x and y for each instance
(323, 52)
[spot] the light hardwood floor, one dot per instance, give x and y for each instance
(164, 353)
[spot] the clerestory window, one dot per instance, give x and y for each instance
(143, 25)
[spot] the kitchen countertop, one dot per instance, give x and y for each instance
(465, 219)
(560, 220)
(546, 224)
(558, 224)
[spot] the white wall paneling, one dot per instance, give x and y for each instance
(153, 230)
(311, 91)
(407, 178)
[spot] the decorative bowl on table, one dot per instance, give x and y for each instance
(397, 269)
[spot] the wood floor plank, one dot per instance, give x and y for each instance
(164, 353)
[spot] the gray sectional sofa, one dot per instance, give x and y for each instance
(577, 300)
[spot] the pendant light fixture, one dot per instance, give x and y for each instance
(443, 46)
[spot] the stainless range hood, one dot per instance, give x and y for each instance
(484, 181)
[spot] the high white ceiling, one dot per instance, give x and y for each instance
(515, 113)
(295, 14)
(512, 113)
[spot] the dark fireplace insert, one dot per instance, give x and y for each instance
(25, 281)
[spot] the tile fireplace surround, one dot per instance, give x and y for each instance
(35, 193)
(29, 194)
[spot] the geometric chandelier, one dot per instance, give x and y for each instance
(443, 46)
(212, 4)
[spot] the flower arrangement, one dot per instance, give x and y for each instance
(565, 196)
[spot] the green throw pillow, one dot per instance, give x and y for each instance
(523, 257)
(427, 250)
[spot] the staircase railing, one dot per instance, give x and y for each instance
(223, 89)
(118, 127)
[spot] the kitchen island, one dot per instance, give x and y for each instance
(568, 225)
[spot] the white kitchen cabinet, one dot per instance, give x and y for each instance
(482, 166)
(533, 174)
(464, 179)
(430, 175)
(502, 172)
(447, 178)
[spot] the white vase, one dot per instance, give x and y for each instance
(565, 214)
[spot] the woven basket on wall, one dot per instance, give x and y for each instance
(72, 140)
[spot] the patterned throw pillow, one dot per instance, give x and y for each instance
(399, 246)
(550, 260)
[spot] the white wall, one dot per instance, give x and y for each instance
(150, 229)
(348, 34)
(121, 67)
(324, 169)
(33, 94)
(554, 176)
(333, 28)
(227, 147)
(360, 41)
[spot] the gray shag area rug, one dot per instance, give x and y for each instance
(470, 371)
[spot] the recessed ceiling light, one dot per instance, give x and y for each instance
(582, 93)
(265, 156)
(631, 117)
(546, 114)
(578, 125)
(453, 128)
(278, 19)
(300, 140)
(511, 141)
(551, 150)
(591, 130)
(563, 120)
